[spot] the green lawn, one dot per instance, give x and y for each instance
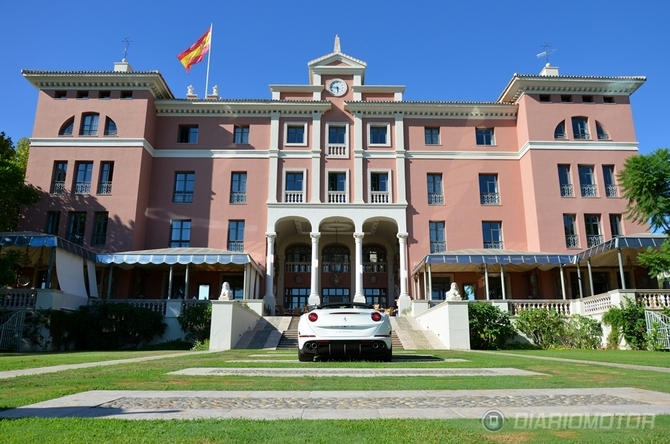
(152, 375)
(635, 357)
(19, 361)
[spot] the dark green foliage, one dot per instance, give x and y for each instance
(15, 194)
(10, 265)
(582, 332)
(490, 327)
(196, 322)
(627, 321)
(175, 344)
(59, 325)
(543, 327)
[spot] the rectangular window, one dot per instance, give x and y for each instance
(236, 235)
(188, 134)
(435, 195)
(564, 181)
(566, 98)
(437, 242)
(580, 128)
(587, 181)
(379, 188)
(126, 95)
(337, 187)
(76, 227)
(488, 189)
(60, 95)
(432, 136)
(53, 221)
(615, 225)
(82, 184)
(241, 135)
(82, 95)
(587, 99)
(484, 136)
(99, 229)
(337, 141)
(104, 95)
(238, 188)
(180, 233)
(545, 98)
(293, 192)
(183, 187)
(608, 99)
(570, 228)
(378, 135)
(295, 134)
(593, 234)
(492, 233)
(336, 134)
(89, 124)
(105, 178)
(59, 174)
(610, 181)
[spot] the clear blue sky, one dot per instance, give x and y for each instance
(438, 49)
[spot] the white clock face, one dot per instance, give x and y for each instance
(337, 87)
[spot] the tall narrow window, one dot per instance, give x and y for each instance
(580, 128)
(564, 181)
(593, 234)
(236, 235)
(99, 229)
(53, 221)
(615, 225)
(188, 134)
(492, 233)
(89, 124)
(59, 174)
(76, 227)
(241, 135)
(587, 181)
(84, 173)
(110, 127)
(183, 187)
(435, 194)
(105, 178)
(180, 234)
(337, 141)
(484, 136)
(337, 187)
(293, 188)
(559, 132)
(437, 240)
(600, 131)
(570, 228)
(432, 136)
(238, 188)
(488, 189)
(378, 135)
(379, 188)
(610, 182)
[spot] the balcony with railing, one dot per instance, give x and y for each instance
(566, 190)
(82, 188)
(374, 267)
(611, 191)
(489, 198)
(438, 247)
(589, 190)
(593, 239)
(493, 244)
(571, 241)
(435, 199)
(237, 246)
(337, 150)
(337, 197)
(297, 267)
(379, 197)
(105, 188)
(58, 187)
(238, 197)
(293, 197)
(182, 197)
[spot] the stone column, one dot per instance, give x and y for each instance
(314, 298)
(404, 301)
(359, 296)
(269, 298)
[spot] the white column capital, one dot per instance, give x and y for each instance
(359, 236)
(402, 236)
(271, 235)
(315, 236)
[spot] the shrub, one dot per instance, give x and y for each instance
(201, 346)
(196, 322)
(627, 321)
(582, 332)
(490, 327)
(542, 326)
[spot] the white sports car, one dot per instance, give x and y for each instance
(345, 330)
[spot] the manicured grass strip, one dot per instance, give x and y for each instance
(20, 361)
(86, 431)
(634, 357)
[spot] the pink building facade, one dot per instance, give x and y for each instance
(335, 189)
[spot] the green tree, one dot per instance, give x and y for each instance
(6, 147)
(645, 182)
(22, 152)
(15, 194)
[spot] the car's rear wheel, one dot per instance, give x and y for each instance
(388, 356)
(304, 357)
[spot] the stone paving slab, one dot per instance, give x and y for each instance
(399, 361)
(419, 404)
(352, 372)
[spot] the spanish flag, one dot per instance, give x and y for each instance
(196, 52)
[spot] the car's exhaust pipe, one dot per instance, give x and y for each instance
(375, 345)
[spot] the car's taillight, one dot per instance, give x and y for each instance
(313, 316)
(376, 316)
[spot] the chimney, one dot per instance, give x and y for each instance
(549, 71)
(122, 66)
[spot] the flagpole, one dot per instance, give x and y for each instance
(209, 56)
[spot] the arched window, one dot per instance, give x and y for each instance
(66, 129)
(580, 128)
(559, 132)
(600, 130)
(298, 259)
(335, 259)
(89, 124)
(110, 127)
(374, 259)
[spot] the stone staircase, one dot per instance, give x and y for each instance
(289, 337)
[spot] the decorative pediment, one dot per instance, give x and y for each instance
(336, 63)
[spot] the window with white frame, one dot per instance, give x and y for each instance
(241, 134)
(380, 187)
(432, 136)
(295, 133)
(337, 187)
(488, 189)
(294, 186)
(484, 136)
(580, 128)
(492, 234)
(337, 145)
(378, 134)
(89, 124)
(594, 235)
(84, 173)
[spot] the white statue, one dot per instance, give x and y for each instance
(189, 90)
(226, 294)
(454, 294)
(215, 90)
